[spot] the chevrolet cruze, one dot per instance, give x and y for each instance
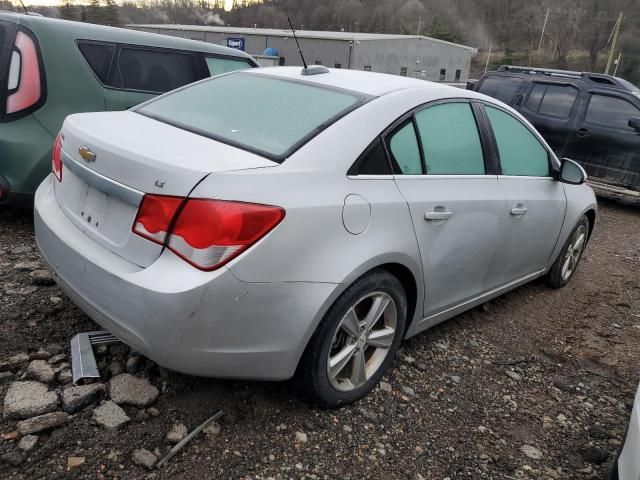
(277, 222)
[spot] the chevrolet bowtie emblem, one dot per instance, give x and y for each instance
(86, 154)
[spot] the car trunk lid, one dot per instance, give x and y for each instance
(112, 159)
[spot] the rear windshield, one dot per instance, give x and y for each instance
(266, 115)
(502, 88)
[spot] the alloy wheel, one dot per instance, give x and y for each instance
(362, 341)
(573, 253)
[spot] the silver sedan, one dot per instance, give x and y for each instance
(272, 223)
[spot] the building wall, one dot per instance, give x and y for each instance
(421, 58)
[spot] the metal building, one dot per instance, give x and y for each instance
(407, 55)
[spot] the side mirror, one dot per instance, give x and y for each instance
(634, 122)
(572, 173)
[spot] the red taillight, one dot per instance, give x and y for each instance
(25, 87)
(56, 158)
(206, 233)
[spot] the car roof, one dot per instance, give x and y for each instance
(363, 82)
(88, 31)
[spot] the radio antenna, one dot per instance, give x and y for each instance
(293, 30)
(25, 8)
(315, 69)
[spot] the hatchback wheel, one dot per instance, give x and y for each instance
(355, 342)
(567, 262)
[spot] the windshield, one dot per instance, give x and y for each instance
(263, 114)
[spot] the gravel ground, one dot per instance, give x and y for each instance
(536, 384)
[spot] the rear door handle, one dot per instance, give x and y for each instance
(444, 215)
(519, 210)
(583, 132)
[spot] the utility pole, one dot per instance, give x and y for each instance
(618, 60)
(544, 27)
(419, 24)
(616, 30)
(486, 66)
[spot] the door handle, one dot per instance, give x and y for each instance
(443, 215)
(583, 132)
(519, 210)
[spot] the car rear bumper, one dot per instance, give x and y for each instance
(629, 461)
(200, 323)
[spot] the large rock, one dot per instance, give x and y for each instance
(43, 422)
(41, 371)
(144, 458)
(28, 399)
(76, 398)
(128, 390)
(41, 277)
(110, 415)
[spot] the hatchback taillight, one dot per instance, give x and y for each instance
(206, 233)
(24, 81)
(56, 158)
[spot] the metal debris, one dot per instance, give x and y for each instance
(188, 438)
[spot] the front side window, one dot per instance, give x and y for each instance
(552, 100)
(612, 112)
(521, 153)
(152, 70)
(502, 88)
(218, 66)
(405, 150)
(267, 115)
(450, 140)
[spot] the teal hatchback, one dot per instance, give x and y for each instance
(51, 68)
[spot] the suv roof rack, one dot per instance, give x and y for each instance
(596, 78)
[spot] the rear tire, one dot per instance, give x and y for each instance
(355, 342)
(567, 262)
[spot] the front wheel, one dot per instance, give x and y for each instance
(565, 265)
(356, 341)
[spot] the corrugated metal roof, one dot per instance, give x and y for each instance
(274, 32)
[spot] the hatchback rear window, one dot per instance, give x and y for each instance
(266, 115)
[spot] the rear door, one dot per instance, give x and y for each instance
(549, 107)
(604, 143)
(455, 201)
(141, 73)
(536, 202)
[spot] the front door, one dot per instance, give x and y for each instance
(604, 143)
(456, 204)
(536, 202)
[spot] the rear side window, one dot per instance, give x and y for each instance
(263, 114)
(405, 150)
(552, 100)
(152, 70)
(450, 140)
(98, 56)
(610, 112)
(218, 65)
(373, 161)
(521, 153)
(502, 88)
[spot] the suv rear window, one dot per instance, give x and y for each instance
(152, 70)
(502, 88)
(98, 56)
(267, 115)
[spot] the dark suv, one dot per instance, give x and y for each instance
(589, 117)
